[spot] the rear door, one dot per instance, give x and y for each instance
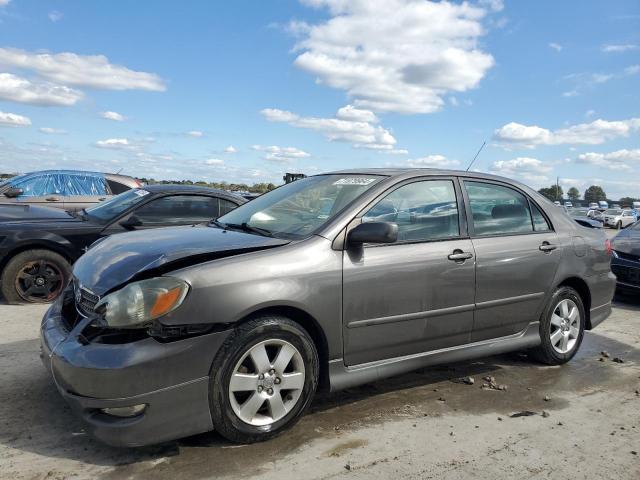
(517, 255)
(413, 295)
(83, 191)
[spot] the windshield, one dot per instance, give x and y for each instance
(298, 209)
(105, 211)
(613, 211)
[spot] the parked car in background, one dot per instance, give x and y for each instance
(568, 204)
(593, 205)
(603, 204)
(233, 326)
(625, 262)
(596, 215)
(65, 189)
(39, 244)
(618, 218)
(581, 215)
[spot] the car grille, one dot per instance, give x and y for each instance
(85, 301)
(626, 274)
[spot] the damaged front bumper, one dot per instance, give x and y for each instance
(171, 379)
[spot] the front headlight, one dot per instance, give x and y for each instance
(140, 303)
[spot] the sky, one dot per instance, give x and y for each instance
(244, 91)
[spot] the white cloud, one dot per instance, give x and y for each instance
(530, 170)
(55, 16)
(195, 133)
(594, 133)
(4, 3)
(395, 55)
(360, 134)
(214, 162)
(432, 161)
(495, 5)
(13, 120)
(93, 71)
(278, 154)
(230, 149)
(353, 114)
(556, 46)
(115, 116)
(52, 131)
(632, 70)
(115, 144)
(619, 48)
(627, 160)
(18, 89)
(589, 113)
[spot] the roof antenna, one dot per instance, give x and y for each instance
(478, 153)
(118, 172)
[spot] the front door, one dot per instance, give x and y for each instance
(417, 294)
(517, 255)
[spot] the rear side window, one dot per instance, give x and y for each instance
(498, 210)
(423, 211)
(226, 206)
(117, 188)
(540, 223)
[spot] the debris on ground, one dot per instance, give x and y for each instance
(547, 398)
(347, 467)
(605, 354)
(491, 384)
(468, 380)
(618, 360)
(523, 413)
(545, 414)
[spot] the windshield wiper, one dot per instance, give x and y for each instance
(247, 228)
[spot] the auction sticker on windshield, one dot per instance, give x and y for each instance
(354, 181)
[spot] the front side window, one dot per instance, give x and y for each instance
(298, 209)
(178, 209)
(105, 211)
(498, 210)
(423, 211)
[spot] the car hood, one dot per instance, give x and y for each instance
(16, 213)
(628, 241)
(121, 257)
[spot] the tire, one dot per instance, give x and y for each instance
(553, 350)
(276, 334)
(618, 225)
(22, 274)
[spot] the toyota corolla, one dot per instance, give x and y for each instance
(327, 282)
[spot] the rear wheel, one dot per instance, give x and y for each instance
(35, 276)
(561, 327)
(619, 225)
(262, 379)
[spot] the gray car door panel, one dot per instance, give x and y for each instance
(410, 296)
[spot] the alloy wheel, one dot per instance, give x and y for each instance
(267, 382)
(39, 281)
(565, 326)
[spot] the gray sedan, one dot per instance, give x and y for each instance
(325, 283)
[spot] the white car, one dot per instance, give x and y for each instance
(593, 205)
(568, 204)
(618, 218)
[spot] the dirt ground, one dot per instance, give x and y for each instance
(425, 424)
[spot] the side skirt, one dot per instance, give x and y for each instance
(341, 376)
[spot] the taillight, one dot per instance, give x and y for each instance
(608, 247)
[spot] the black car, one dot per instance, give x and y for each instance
(625, 261)
(39, 244)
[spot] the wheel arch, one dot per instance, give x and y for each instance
(36, 245)
(580, 286)
(310, 324)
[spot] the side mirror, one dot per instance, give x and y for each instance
(13, 192)
(373, 232)
(131, 222)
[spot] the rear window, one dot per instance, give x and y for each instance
(117, 188)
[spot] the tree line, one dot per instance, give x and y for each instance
(235, 187)
(594, 193)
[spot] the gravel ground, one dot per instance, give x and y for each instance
(427, 424)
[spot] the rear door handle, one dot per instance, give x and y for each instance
(52, 199)
(459, 255)
(547, 247)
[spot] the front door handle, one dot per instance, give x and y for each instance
(52, 199)
(460, 256)
(547, 247)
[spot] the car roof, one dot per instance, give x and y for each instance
(173, 188)
(73, 172)
(411, 172)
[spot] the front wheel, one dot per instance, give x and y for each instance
(35, 276)
(618, 225)
(561, 327)
(262, 379)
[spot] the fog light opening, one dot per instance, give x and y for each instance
(124, 412)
